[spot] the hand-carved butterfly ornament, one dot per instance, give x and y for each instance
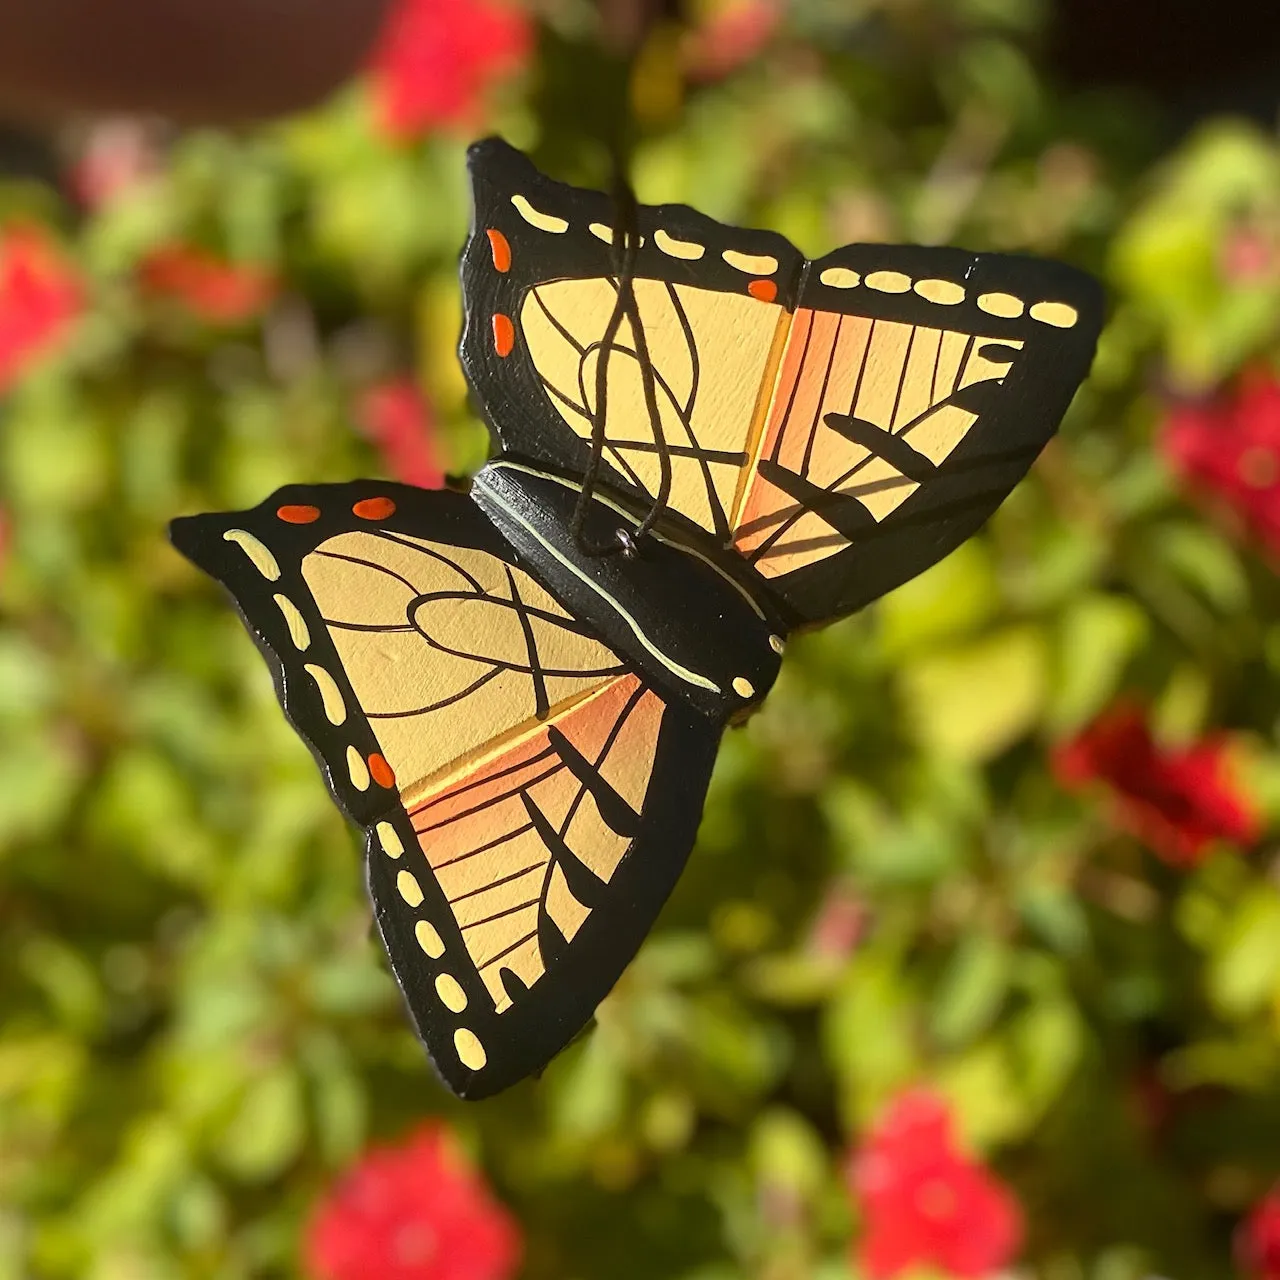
(525, 727)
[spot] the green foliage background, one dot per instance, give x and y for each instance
(199, 1029)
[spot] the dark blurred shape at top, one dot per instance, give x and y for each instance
(193, 60)
(1197, 56)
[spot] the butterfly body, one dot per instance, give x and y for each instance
(712, 641)
(525, 727)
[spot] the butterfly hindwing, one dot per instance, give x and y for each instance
(838, 425)
(528, 798)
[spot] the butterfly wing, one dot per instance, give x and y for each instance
(838, 425)
(529, 800)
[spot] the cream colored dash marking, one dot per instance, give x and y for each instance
(536, 218)
(358, 770)
(257, 551)
(410, 889)
(605, 233)
(946, 293)
(756, 264)
(889, 282)
(335, 709)
(1059, 314)
(1004, 305)
(673, 248)
(840, 278)
(296, 623)
(469, 1049)
(451, 994)
(776, 644)
(743, 687)
(428, 939)
(389, 840)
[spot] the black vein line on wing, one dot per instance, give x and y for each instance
(795, 391)
(491, 802)
(485, 848)
(454, 792)
(902, 376)
(370, 564)
(695, 364)
(717, 457)
(533, 670)
(375, 628)
(541, 703)
(501, 915)
(497, 884)
(568, 401)
(564, 621)
(937, 367)
(391, 536)
(822, 397)
(506, 951)
(560, 329)
(441, 704)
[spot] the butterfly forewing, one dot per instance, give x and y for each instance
(529, 799)
(840, 424)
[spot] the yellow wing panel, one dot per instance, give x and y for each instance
(451, 652)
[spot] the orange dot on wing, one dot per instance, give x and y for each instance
(504, 335)
(501, 248)
(381, 772)
(763, 290)
(374, 508)
(298, 514)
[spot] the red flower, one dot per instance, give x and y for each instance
(1176, 800)
(397, 419)
(734, 34)
(1229, 450)
(416, 1211)
(924, 1202)
(1258, 1239)
(40, 295)
(437, 59)
(209, 287)
(116, 156)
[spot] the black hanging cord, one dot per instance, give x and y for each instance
(626, 245)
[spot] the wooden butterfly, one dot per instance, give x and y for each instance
(526, 730)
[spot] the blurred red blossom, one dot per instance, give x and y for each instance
(397, 419)
(839, 925)
(1228, 450)
(924, 1202)
(1177, 800)
(208, 286)
(731, 35)
(437, 59)
(114, 157)
(1249, 256)
(40, 295)
(416, 1211)
(1258, 1239)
